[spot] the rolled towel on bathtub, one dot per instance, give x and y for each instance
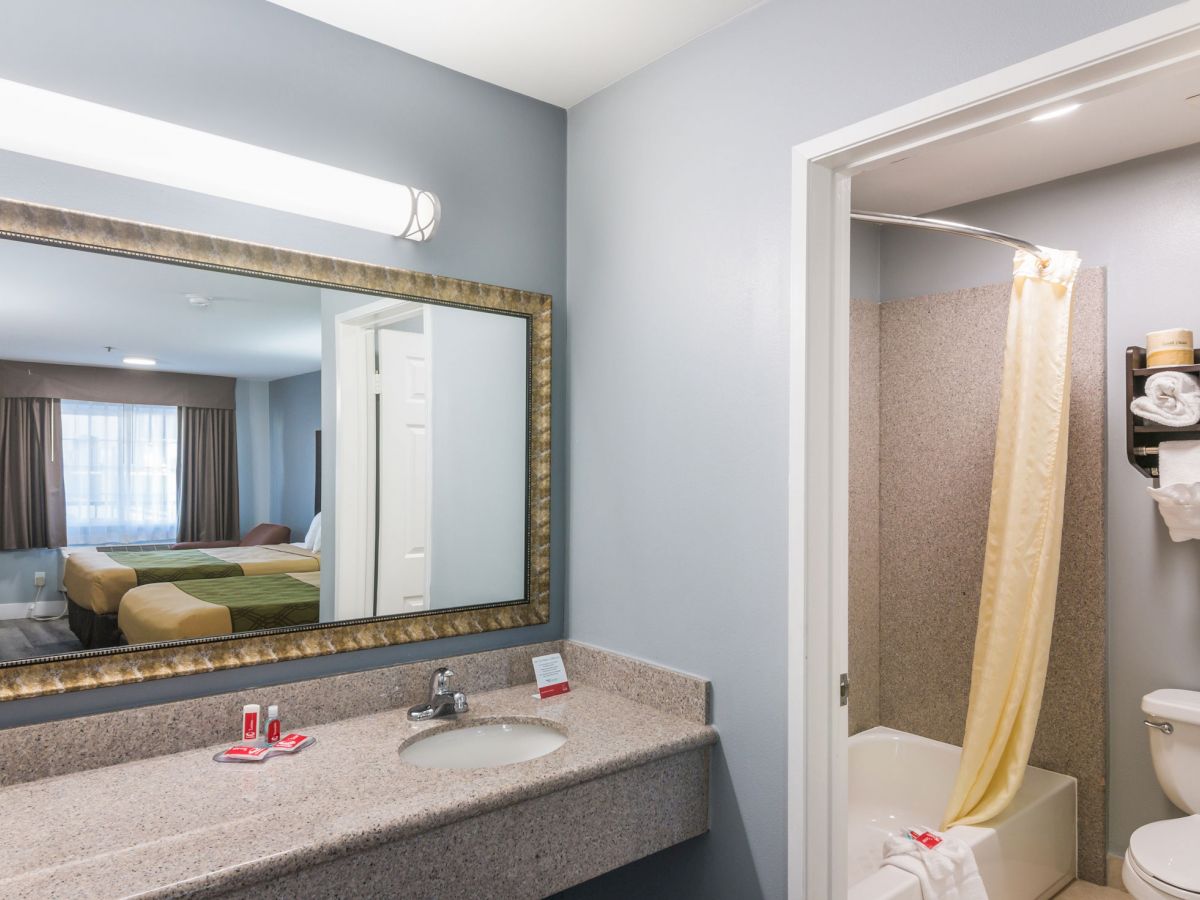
(944, 865)
(1172, 398)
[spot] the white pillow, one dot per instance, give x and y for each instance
(312, 540)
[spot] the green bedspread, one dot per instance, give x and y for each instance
(263, 601)
(158, 566)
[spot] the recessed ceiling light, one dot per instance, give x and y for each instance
(139, 361)
(199, 301)
(1056, 113)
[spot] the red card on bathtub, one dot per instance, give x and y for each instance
(926, 839)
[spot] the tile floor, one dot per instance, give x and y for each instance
(1082, 890)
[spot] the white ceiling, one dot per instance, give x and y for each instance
(1107, 129)
(65, 306)
(560, 51)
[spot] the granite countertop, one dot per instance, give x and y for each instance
(182, 824)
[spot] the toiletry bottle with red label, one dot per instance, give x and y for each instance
(250, 713)
(274, 725)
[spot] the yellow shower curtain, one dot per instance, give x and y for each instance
(1020, 570)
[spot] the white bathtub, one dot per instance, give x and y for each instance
(900, 781)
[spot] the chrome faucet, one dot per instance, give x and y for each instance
(442, 700)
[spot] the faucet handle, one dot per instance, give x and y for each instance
(440, 682)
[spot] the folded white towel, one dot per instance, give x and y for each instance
(1172, 398)
(946, 871)
(1179, 505)
(1178, 462)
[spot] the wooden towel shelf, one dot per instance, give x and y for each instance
(1142, 438)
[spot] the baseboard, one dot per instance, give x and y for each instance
(1115, 864)
(14, 610)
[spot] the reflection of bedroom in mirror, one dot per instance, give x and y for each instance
(159, 478)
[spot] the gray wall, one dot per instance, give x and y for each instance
(259, 73)
(17, 568)
(480, 389)
(1140, 221)
(295, 418)
(864, 261)
(678, 232)
(252, 399)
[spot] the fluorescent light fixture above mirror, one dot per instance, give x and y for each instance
(66, 129)
(139, 361)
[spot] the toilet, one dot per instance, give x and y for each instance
(1163, 859)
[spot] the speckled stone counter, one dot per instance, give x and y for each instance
(347, 818)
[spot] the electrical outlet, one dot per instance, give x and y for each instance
(39, 579)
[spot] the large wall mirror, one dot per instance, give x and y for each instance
(214, 453)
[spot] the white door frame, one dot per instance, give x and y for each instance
(354, 439)
(818, 551)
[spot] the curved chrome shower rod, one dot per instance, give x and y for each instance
(984, 234)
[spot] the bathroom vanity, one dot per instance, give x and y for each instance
(347, 816)
(436, 507)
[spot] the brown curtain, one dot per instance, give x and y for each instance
(208, 475)
(33, 509)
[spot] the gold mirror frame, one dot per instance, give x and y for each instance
(57, 227)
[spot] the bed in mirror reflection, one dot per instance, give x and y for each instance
(159, 476)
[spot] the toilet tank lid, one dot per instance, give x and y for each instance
(1172, 703)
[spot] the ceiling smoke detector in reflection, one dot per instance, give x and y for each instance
(1056, 113)
(66, 129)
(199, 301)
(139, 361)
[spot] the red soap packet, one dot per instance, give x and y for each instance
(246, 753)
(290, 743)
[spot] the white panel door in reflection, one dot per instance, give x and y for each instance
(404, 471)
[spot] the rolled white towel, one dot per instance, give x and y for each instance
(944, 866)
(1172, 398)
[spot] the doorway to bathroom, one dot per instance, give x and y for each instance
(959, 147)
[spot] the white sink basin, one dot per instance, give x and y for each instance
(479, 746)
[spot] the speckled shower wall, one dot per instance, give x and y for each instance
(938, 368)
